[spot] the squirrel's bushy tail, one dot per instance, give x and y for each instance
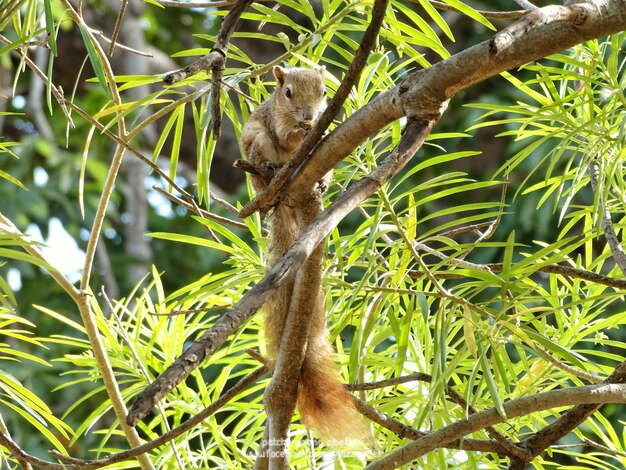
(325, 405)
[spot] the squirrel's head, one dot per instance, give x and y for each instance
(300, 92)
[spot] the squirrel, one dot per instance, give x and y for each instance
(269, 139)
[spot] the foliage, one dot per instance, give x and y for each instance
(407, 285)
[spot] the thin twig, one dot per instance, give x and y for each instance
(268, 363)
(215, 4)
(240, 93)
(187, 311)
(590, 443)
(203, 213)
(593, 170)
(116, 28)
(492, 15)
(526, 4)
(120, 45)
(564, 367)
(567, 271)
(494, 225)
(216, 58)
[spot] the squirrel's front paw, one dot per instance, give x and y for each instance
(322, 185)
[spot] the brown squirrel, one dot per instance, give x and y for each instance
(269, 139)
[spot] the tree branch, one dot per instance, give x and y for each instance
(406, 432)
(413, 137)
(563, 270)
(56, 91)
(492, 15)
(184, 4)
(506, 447)
(282, 392)
(83, 301)
(116, 28)
(539, 34)
(619, 256)
(547, 436)
(216, 58)
(232, 392)
(586, 395)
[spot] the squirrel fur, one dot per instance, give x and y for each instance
(269, 139)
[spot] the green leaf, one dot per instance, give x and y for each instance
(491, 386)
(52, 43)
(94, 59)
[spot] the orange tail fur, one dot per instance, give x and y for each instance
(325, 405)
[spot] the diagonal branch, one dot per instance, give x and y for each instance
(414, 135)
(406, 432)
(227, 396)
(541, 33)
(492, 15)
(589, 395)
(506, 447)
(56, 91)
(543, 439)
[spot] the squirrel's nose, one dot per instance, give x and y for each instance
(308, 115)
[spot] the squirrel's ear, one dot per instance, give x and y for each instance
(322, 70)
(280, 73)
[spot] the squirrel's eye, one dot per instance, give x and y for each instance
(324, 92)
(288, 93)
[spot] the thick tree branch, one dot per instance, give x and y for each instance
(547, 436)
(282, 392)
(543, 32)
(506, 446)
(406, 432)
(590, 394)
